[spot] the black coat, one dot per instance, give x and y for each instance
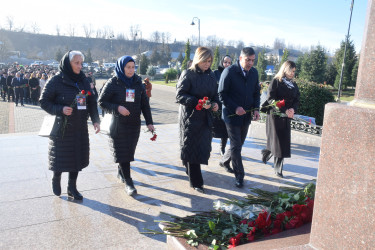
(195, 125)
(236, 90)
(71, 152)
(113, 95)
(278, 128)
(219, 130)
(34, 83)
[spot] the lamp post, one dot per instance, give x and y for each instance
(343, 60)
(199, 29)
(110, 52)
(139, 50)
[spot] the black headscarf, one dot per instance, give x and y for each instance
(66, 68)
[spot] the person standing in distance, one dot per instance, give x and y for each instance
(239, 92)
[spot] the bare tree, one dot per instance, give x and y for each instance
(231, 43)
(167, 37)
(212, 41)
(107, 32)
(71, 30)
(240, 44)
(21, 28)
(134, 29)
(279, 43)
(121, 36)
(57, 30)
(10, 22)
(98, 33)
(35, 28)
(88, 30)
(155, 37)
(194, 40)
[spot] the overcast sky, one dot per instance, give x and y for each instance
(298, 22)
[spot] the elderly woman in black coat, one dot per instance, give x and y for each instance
(69, 149)
(125, 97)
(278, 128)
(219, 129)
(196, 123)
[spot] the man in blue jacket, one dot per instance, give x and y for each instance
(239, 92)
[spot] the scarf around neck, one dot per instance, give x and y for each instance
(288, 83)
(120, 65)
(66, 68)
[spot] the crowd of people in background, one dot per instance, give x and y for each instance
(23, 84)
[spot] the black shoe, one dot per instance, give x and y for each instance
(129, 187)
(56, 187)
(119, 175)
(280, 175)
(239, 183)
(227, 167)
(199, 189)
(72, 190)
(22, 105)
(222, 151)
(266, 155)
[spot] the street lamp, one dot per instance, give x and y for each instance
(139, 50)
(199, 29)
(343, 60)
(110, 38)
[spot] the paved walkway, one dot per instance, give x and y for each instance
(33, 218)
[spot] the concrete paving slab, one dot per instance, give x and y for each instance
(32, 217)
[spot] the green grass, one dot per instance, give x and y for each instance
(346, 95)
(162, 82)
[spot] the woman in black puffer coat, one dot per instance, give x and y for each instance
(69, 151)
(196, 125)
(34, 88)
(125, 97)
(219, 129)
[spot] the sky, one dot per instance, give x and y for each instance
(301, 23)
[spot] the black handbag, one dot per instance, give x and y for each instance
(52, 126)
(57, 129)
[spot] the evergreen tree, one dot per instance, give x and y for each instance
(143, 64)
(299, 63)
(350, 61)
(187, 56)
(88, 57)
(59, 55)
(261, 66)
(355, 73)
(180, 58)
(155, 57)
(330, 75)
(314, 65)
(216, 60)
(285, 56)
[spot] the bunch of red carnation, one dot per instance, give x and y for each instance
(202, 102)
(153, 138)
(265, 224)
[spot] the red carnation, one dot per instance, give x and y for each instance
(276, 230)
(83, 92)
(294, 223)
(88, 92)
(280, 217)
(277, 224)
(251, 224)
(288, 214)
(243, 222)
(198, 107)
(280, 104)
(297, 209)
(205, 98)
(154, 137)
(250, 236)
(262, 221)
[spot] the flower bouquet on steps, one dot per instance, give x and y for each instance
(262, 213)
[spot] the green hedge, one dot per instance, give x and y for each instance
(313, 99)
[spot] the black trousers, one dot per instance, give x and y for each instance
(10, 94)
(195, 175)
(19, 95)
(237, 136)
(72, 175)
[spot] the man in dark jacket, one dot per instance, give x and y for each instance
(9, 85)
(239, 93)
(3, 85)
(17, 83)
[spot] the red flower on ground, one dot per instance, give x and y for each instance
(235, 241)
(243, 222)
(297, 209)
(277, 224)
(280, 217)
(288, 214)
(82, 92)
(250, 236)
(294, 223)
(251, 224)
(262, 221)
(280, 104)
(276, 230)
